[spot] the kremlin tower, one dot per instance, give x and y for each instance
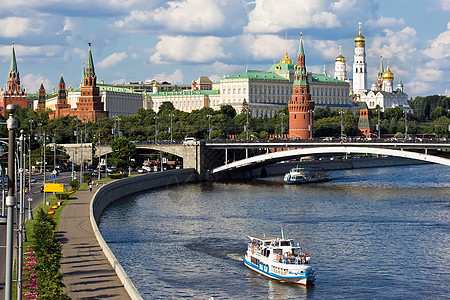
(62, 108)
(359, 64)
(90, 106)
(301, 106)
(13, 94)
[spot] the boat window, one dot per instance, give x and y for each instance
(287, 243)
(277, 251)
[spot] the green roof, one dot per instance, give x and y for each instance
(282, 67)
(112, 88)
(13, 67)
(257, 75)
(188, 92)
(323, 78)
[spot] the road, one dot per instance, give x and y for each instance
(64, 177)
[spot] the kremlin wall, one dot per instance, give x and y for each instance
(260, 93)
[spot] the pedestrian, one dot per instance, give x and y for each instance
(90, 187)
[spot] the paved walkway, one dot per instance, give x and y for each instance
(87, 273)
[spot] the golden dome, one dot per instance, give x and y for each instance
(360, 40)
(286, 60)
(388, 75)
(340, 57)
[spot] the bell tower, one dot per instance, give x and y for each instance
(301, 107)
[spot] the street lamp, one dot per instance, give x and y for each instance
(282, 127)
(156, 128)
(171, 127)
(378, 125)
(209, 126)
(342, 125)
(12, 124)
(310, 126)
(406, 124)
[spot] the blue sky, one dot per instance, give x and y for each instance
(177, 41)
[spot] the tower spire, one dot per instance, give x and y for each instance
(13, 67)
(300, 47)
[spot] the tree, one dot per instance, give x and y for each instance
(122, 152)
(228, 111)
(438, 112)
(165, 106)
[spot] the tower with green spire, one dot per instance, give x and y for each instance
(14, 93)
(301, 106)
(90, 106)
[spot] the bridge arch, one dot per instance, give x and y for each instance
(269, 158)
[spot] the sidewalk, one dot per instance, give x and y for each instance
(87, 273)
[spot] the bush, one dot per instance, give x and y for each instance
(74, 184)
(118, 175)
(63, 195)
(48, 257)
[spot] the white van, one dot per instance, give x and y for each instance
(189, 140)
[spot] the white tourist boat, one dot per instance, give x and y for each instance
(279, 259)
(305, 175)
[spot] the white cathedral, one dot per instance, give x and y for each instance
(382, 91)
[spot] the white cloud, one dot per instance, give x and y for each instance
(445, 5)
(32, 82)
(11, 27)
(188, 49)
(189, 16)
(383, 22)
(176, 77)
(440, 47)
(270, 16)
(399, 45)
(112, 60)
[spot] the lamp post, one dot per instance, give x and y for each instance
(246, 126)
(20, 227)
(282, 127)
(342, 124)
(209, 126)
(12, 124)
(171, 127)
(378, 125)
(310, 126)
(406, 124)
(156, 128)
(45, 163)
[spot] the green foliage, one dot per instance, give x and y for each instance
(74, 184)
(63, 195)
(48, 255)
(123, 152)
(87, 177)
(118, 175)
(424, 106)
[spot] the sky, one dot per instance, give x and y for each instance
(180, 40)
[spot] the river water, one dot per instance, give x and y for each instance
(380, 233)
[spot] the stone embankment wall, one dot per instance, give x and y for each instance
(121, 188)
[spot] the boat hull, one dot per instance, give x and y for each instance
(297, 279)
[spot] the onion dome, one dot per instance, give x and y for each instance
(360, 40)
(388, 75)
(340, 58)
(286, 60)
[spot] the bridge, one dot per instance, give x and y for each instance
(210, 158)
